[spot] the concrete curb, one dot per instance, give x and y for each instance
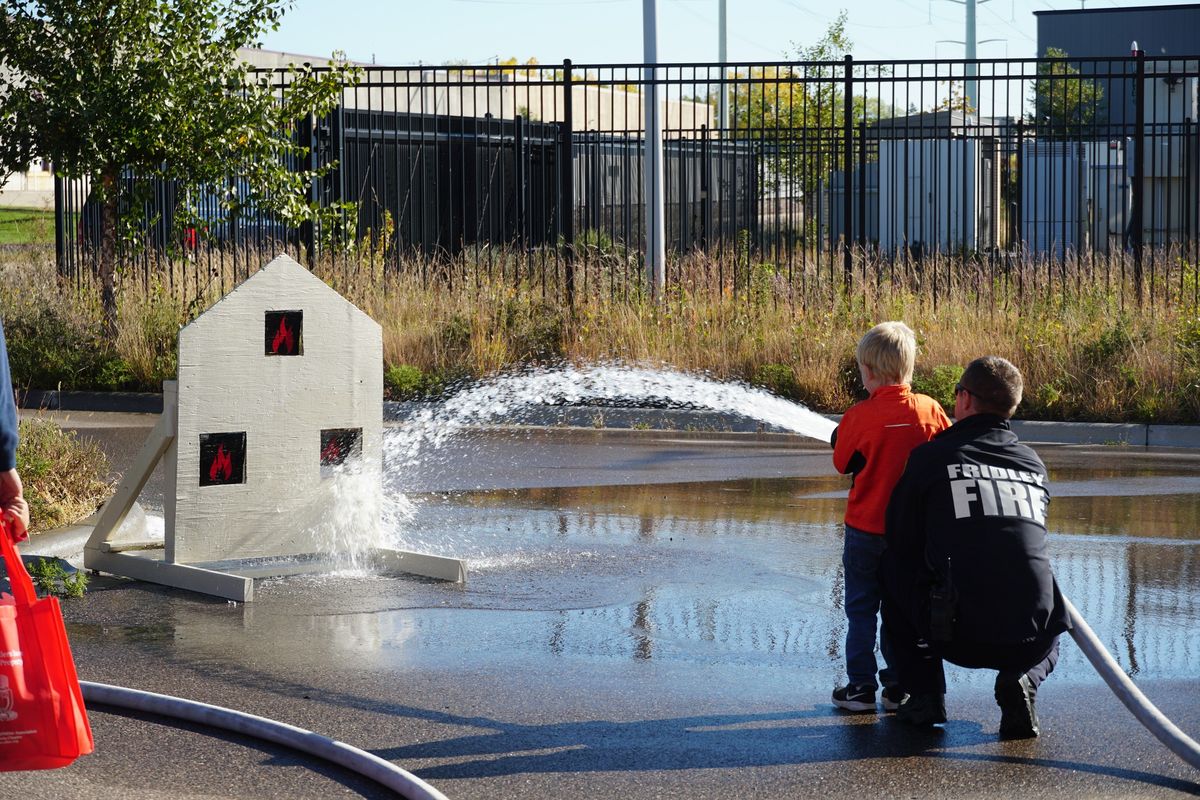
(54, 400)
(682, 421)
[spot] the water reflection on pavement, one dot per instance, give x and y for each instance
(740, 572)
(691, 628)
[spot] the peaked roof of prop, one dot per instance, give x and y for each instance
(282, 264)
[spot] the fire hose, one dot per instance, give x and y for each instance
(370, 766)
(1138, 704)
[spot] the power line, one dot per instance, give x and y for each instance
(1019, 32)
(886, 27)
(827, 20)
(542, 2)
(927, 11)
(711, 21)
(808, 11)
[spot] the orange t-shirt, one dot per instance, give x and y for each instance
(882, 430)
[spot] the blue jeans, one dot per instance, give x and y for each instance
(860, 559)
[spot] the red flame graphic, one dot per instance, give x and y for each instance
(284, 337)
(222, 466)
(332, 453)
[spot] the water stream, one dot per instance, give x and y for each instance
(516, 398)
(508, 398)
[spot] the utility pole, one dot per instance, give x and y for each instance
(652, 158)
(723, 56)
(970, 43)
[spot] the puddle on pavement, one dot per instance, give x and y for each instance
(735, 574)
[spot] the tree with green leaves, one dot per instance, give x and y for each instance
(797, 112)
(122, 91)
(1063, 103)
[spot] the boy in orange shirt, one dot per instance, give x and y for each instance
(872, 443)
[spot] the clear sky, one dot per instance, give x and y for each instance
(403, 32)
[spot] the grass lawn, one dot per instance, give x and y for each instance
(26, 226)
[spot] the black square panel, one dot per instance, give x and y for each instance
(339, 445)
(222, 458)
(284, 333)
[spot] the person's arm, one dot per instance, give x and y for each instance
(13, 504)
(12, 492)
(847, 459)
(904, 521)
(902, 569)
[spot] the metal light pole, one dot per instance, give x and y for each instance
(969, 44)
(972, 87)
(652, 161)
(723, 56)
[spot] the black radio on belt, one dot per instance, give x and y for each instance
(943, 607)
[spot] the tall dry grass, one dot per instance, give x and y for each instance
(1089, 347)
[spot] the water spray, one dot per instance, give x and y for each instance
(506, 396)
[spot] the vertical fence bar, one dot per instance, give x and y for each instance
(519, 188)
(847, 168)
(307, 161)
(566, 199)
(1139, 162)
(60, 220)
(1018, 201)
(704, 179)
(861, 228)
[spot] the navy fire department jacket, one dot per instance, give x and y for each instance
(969, 512)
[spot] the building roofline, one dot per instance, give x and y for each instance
(1056, 11)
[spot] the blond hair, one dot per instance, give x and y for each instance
(890, 350)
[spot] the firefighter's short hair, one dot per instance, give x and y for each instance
(890, 350)
(996, 384)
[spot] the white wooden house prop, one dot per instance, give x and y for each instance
(278, 383)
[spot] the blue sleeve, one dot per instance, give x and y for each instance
(8, 411)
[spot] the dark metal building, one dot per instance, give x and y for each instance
(1160, 31)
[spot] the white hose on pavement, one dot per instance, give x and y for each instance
(1154, 720)
(370, 766)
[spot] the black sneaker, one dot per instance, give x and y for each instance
(1018, 717)
(854, 698)
(892, 697)
(923, 710)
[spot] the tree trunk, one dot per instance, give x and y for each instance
(109, 210)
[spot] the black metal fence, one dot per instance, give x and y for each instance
(842, 169)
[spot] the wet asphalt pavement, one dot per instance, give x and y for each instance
(648, 615)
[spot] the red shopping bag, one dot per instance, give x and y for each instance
(43, 724)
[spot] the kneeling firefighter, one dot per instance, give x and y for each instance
(965, 575)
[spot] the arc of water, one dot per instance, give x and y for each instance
(508, 395)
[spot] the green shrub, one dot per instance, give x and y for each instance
(1109, 348)
(49, 350)
(535, 331)
(456, 333)
(596, 240)
(1045, 403)
(939, 384)
(65, 478)
(406, 382)
(115, 374)
(850, 378)
(779, 379)
(50, 578)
